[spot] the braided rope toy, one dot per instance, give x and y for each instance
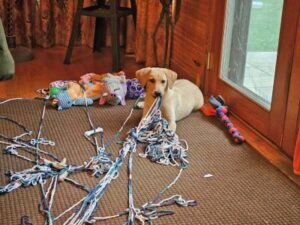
(220, 109)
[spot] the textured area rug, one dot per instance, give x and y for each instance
(243, 188)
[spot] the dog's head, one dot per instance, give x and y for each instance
(156, 80)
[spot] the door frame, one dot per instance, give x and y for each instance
(292, 119)
(269, 123)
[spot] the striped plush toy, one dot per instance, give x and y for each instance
(218, 108)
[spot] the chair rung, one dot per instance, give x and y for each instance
(111, 13)
(96, 11)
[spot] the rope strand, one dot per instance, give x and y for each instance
(163, 147)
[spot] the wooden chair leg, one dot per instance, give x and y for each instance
(115, 35)
(133, 6)
(75, 29)
(98, 36)
(116, 65)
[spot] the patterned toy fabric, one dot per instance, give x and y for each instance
(65, 101)
(108, 88)
(57, 86)
(115, 90)
(65, 94)
(134, 89)
(93, 88)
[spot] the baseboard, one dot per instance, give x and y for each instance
(267, 149)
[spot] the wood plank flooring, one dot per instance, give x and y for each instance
(48, 66)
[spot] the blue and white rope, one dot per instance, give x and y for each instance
(142, 133)
(163, 146)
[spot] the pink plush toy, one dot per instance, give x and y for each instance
(108, 88)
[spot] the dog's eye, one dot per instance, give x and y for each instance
(163, 81)
(152, 80)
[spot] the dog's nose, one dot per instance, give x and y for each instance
(157, 94)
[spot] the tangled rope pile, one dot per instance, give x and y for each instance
(162, 146)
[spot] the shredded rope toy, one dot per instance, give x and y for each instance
(150, 128)
(221, 110)
(163, 146)
(25, 220)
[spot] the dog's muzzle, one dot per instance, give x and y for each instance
(157, 94)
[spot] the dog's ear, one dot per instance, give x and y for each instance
(171, 77)
(142, 75)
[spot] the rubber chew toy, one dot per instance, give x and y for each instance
(221, 110)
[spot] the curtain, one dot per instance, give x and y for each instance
(296, 162)
(49, 23)
(46, 23)
(147, 17)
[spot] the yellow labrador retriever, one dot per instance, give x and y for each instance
(179, 97)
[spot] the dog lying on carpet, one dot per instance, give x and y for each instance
(179, 97)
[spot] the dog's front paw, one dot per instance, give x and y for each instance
(140, 105)
(172, 126)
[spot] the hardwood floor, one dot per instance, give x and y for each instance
(48, 66)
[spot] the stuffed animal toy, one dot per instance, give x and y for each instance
(87, 78)
(134, 88)
(67, 94)
(93, 85)
(217, 107)
(57, 86)
(116, 89)
(109, 88)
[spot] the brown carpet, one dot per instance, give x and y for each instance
(245, 189)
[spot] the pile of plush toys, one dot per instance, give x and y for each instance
(107, 88)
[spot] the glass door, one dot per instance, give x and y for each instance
(250, 47)
(252, 55)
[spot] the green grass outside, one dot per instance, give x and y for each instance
(265, 26)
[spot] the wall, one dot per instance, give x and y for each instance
(191, 39)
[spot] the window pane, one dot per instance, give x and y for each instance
(250, 46)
